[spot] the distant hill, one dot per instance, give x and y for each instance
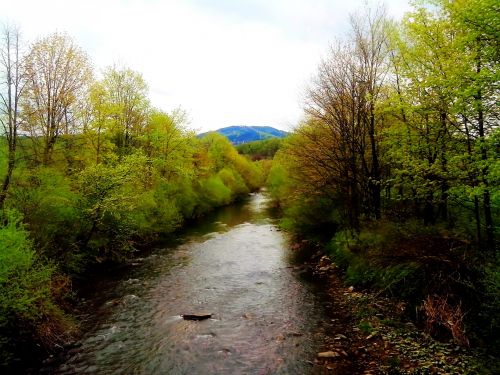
(244, 134)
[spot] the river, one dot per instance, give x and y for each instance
(234, 265)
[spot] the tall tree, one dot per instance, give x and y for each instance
(478, 29)
(446, 70)
(371, 53)
(58, 74)
(127, 95)
(168, 144)
(99, 118)
(13, 83)
(343, 126)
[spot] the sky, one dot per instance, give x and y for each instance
(226, 62)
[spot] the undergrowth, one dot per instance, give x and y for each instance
(429, 269)
(30, 292)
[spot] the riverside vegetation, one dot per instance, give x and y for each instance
(395, 166)
(90, 173)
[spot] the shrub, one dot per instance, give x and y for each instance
(185, 197)
(213, 193)
(26, 302)
(49, 207)
(106, 206)
(370, 259)
(234, 182)
(441, 314)
(155, 213)
(490, 309)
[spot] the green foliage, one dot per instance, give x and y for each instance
(213, 193)
(183, 193)
(405, 167)
(491, 304)
(49, 206)
(360, 256)
(265, 149)
(222, 154)
(277, 181)
(107, 204)
(168, 145)
(315, 217)
(234, 182)
(307, 214)
(127, 106)
(365, 327)
(25, 283)
(22, 283)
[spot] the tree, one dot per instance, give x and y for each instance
(339, 142)
(99, 113)
(58, 73)
(446, 71)
(127, 94)
(167, 144)
(13, 83)
(106, 202)
(425, 56)
(478, 30)
(371, 53)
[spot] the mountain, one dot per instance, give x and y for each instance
(243, 134)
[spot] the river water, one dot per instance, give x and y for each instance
(234, 265)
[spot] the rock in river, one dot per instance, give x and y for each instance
(196, 316)
(328, 355)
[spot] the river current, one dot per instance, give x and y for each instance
(233, 265)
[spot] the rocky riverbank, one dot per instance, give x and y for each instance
(372, 334)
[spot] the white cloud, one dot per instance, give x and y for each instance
(226, 62)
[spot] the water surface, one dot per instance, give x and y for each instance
(233, 265)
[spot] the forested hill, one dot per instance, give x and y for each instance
(239, 134)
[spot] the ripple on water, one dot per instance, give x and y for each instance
(238, 274)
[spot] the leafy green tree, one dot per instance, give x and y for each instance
(168, 145)
(100, 121)
(107, 202)
(126, 93)
(257, 150)
(58, 74)
(445, 91)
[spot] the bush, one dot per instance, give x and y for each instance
(213, 193)
(490, 309)
(276, 182)
(234, 182)
(49, 207)
(182, 192)
(26, 301)
(106, 205)
(315, 218)
(370, 259)
(155, 213)
(432, 271)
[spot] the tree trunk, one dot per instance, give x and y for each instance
(443, 202)
(488, 218)
(429, 218)
(375, 175)
(473, 178)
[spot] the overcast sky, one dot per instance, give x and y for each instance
(226, 62)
